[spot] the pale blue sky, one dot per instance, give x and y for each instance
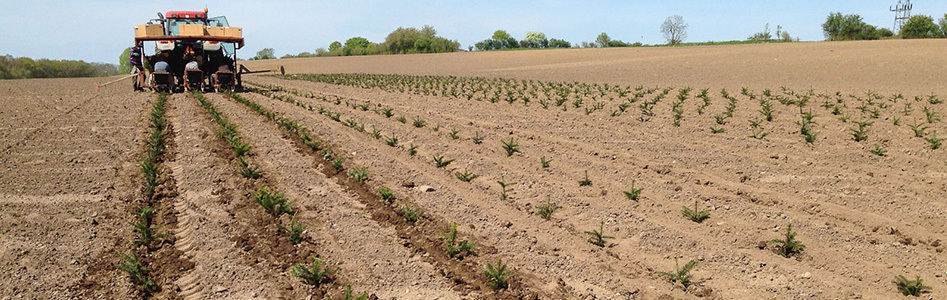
(98, 30)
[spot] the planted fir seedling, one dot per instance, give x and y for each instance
(918, 129)
(337, 164)
(907, 287)
(348, 295)
(436, 127)
(376, 133)
(313, 274)
(440, 162)
(247, 170)
(861, 134)
(598, 237)
(878, 150)
(466, 176)
(392, 141)
(144, 227)
(546, 209)
(359, 174)
(402, 120)
(418, 122)
(138, 272)
(386, 112)
(695, 214)
(477, 139)
(544, 162)
(453, 134)
(716, 130)
(634, 194)
(410, 213)
(934, 142)
(505, 188)
(496, 275)
(273, 203)
(294, 229)
(510, 147)
(452, 246)
(788, 246)
(680, 274)
(586, 181)
(386, 195)
(413, 150)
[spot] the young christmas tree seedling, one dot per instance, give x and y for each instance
(295, 230)
(419, 123)
(504, 188)
(586, 181)
(440, 162)
(477, 139)
(789, 245)
(934, 141)
(411, 214)
(907, 287)
(878, 150)
(313, 273)
(510, 147)
(716, 130)
(544, 162)
(386, 195)
(465, 176)
(695, 214)
(138, 272)
(680, 274)
(634, 194)
(402, 120)
(597, 237)
(337, 164)
(451, 245)
(918, 129)
(273, 203)
(546, 209)
(453, 134)
(359, 174)
(413, 150)
(392, 141)
(496, 275)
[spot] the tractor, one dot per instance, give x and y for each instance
(192, 52)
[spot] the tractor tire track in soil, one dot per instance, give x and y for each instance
(372, 257)
(212, 213)
(659, 227)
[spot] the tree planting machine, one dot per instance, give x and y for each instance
(192, 52)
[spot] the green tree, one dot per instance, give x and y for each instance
(356, 44)
(535, 39)
(557, 43)
(602, 40)
(920, 27)
(124, 65)
(335, 46)
(763, 35)
(501, 35)
(943, 26)
(266, 53)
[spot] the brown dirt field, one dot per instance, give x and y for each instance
(893, 66)
(71, 177)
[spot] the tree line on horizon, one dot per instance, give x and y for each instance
(25, 67)
(851, 27)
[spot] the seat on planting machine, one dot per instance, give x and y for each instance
(162, 81)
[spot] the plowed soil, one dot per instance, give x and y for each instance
(71, 177)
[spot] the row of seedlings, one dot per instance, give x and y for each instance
(275, 205)
(411, 217)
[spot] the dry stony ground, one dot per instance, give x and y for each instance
(71, 177)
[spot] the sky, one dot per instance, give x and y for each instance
(99, 30)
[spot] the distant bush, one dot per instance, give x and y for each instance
(921, 27)
(24, 67)
(838, 27)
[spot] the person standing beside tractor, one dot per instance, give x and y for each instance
(134, 59)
